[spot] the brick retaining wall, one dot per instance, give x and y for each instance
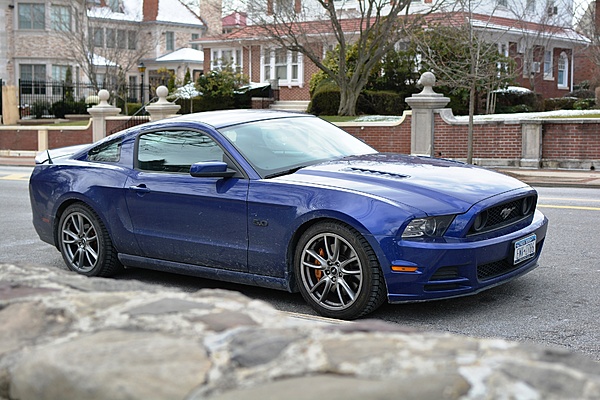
(565, 143)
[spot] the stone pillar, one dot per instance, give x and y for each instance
(10, 105)
(531, 144)
(42, 139)
(99, 114)
(424, 106)
(162, 108)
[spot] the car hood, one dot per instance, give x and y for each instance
(434, 186)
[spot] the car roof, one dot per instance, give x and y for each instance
(223, 118)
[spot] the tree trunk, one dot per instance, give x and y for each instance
(470, 131)
(348, 100)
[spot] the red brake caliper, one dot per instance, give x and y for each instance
(318, 272)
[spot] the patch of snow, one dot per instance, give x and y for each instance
(531, 115)
(183, 54)
(186, 92)
(175, 11)
(378, 118)
(100, 61)
(132, 11)
(513, 89)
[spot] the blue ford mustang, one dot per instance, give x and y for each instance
(285, 201)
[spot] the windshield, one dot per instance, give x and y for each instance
(276, 146)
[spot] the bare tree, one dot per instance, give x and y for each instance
(104, 46)
(540, 24)
(371, 30)
(455, 46)
(588, 24)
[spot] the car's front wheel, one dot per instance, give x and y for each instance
(338, 273)
(85, 244)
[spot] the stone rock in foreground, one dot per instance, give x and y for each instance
(65, 336)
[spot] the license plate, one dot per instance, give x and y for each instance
(524, 249)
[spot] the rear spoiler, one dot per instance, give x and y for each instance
(48, 156)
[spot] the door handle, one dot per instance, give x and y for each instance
(140, 189)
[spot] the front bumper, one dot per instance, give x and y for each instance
(448, 270)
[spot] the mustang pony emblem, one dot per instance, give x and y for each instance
(506, 212)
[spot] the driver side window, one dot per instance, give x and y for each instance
(175, 151)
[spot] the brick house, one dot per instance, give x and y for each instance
(546, 52)
(40, 39)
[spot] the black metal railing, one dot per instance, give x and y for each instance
(55, 99)
(139, 117)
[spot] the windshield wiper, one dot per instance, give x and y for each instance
(286, 172)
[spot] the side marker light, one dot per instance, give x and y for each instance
(400, 268)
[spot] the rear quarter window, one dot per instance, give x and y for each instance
(106, 152)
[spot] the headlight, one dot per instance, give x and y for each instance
(427, 227)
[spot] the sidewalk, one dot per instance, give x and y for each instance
(555, 177)
(534, 177)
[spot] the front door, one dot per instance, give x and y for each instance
(177, 217)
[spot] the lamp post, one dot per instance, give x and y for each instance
(141, 70)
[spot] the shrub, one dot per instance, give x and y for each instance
(559, 103)
(63, 107)
(511, 101)
(380, 103)
(584, 104)
(325, 100)
(582, 94)
(41, 109)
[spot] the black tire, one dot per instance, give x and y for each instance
(85, 244)
(337, 271)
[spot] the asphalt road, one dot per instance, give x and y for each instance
(558, 303)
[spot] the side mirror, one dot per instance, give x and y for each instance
(211, 169)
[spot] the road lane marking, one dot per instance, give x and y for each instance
(569, 207)
(15, 177)
(568, 199)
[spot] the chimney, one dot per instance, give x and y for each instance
(210, 13)
(150, 10)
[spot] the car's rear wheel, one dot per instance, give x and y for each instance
(338, 273)
(85, 244)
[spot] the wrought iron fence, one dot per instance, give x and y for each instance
(55, 99)
(139, 117)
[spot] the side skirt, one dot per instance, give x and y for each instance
(206, 272)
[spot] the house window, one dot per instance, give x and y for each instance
(32, 16)
(282, 64)
(170, 38)
(121, 38)
(111, 38)
(503, 50)
(503, 3)
(548, 64)
(195, 36)
(115, 6)
(131, 40)
(61, 18)
(33, 77)
(222, 58)
(96, 37)
(283, 6)
(59, 72)
(563, 71)
(530, 5)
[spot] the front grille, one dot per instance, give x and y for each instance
(502, 215)
(494, 269)
(501, 267)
